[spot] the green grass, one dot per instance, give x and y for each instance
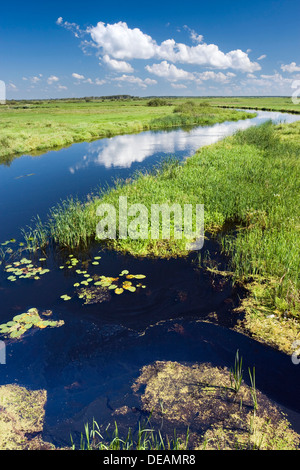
(146, 439)
(39, 126)
(248, 182)
(264, 103)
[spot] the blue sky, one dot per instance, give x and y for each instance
(94, 48)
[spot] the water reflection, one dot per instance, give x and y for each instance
(122, 151)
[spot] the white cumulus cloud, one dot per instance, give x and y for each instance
(52, 79)
(121, 42)
(216, 76)
(169, 71)
(35, 79)
(117, 65)
(292, 67)
(135, 80)
(98, 81)
(178, 86)
(173, 74)
(78, 76)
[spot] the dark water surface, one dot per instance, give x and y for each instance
(88, 365)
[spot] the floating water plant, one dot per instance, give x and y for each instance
(73, 261)
(25, 321)
(12, 240)
(94, 294)
(65, 297)
(24, 269)
(99, 290)
(95, 288)
(119, 285)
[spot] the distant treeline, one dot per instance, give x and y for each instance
(75, 100)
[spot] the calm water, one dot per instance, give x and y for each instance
(31, 185)
(87, 366)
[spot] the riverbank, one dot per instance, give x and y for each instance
(249, 186)
(35, 127)
(282, 104)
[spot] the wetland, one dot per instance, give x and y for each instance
(94, 329)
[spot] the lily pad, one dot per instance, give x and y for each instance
(113, 286)
(65, 297)
(127, 284)
(25, 321)
(124, 272)
(25, 269)
(131, 289)
(119, 290)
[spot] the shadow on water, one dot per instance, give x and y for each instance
(88, 365)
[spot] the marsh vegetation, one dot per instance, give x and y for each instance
(249, 185)
(200, 407)
(39, 126)
(240, 182)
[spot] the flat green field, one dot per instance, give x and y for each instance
(284, 104)
(35, 127)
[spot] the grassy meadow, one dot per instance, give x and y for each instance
(264, 103)
(32, 127)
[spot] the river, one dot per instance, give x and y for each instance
(87, 365)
